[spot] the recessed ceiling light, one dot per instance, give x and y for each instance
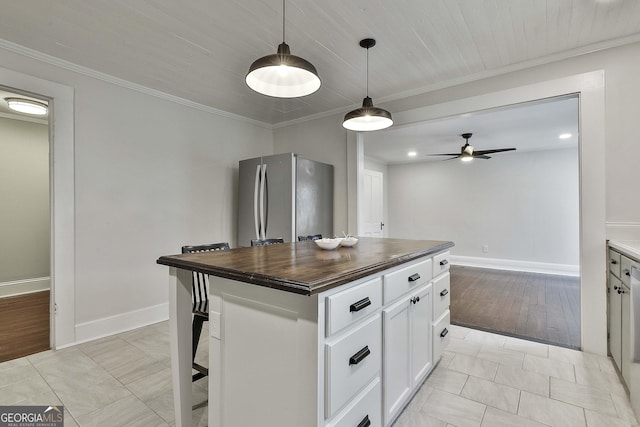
(27, 106)
(565, 136)
(412, 154)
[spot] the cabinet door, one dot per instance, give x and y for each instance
(615, 320)
(626, 334)
(396, 371)
(420, 318)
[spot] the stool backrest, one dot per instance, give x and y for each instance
(200, 281)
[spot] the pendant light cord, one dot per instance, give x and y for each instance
(283, 12)
(367, 72)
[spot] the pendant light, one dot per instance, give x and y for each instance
(283, 75)
(367, 117)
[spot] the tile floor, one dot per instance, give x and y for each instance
(482, 380)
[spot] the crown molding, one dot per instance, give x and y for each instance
(556, 57)
(70, 66)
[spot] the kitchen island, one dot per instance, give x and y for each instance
(301, 336)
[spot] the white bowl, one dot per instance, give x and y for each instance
(349, 241)
(328, 244)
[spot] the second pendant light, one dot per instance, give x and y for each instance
(367, 117)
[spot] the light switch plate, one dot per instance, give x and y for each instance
(214, 324)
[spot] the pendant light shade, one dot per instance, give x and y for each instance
(283, 75)
(367, 118)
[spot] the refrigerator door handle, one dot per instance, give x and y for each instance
(256, 222)
(263, 222)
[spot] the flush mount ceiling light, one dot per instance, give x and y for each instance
(367, 117)
(283, 75)
(27, 106)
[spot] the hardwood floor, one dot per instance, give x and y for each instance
(538, 307)
(24, 325)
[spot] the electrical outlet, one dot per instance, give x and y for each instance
(485, 248)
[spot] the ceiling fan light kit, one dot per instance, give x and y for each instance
(283, 75)
(367, 118)
(468, 153)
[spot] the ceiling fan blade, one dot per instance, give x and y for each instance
(497, 150)
(451, 158)
(444, 154)
(480, 156)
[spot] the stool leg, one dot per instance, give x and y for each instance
(198, 321)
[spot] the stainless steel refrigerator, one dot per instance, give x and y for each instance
(285, 196)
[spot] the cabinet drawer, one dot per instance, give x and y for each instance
(625, 270)
(351, 305)
(614, 263)
(402, 281)
(441, 263)
(351, 362)
(366, 406)
(441, 335)
(441, 295)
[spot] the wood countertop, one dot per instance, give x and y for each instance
(303, 267)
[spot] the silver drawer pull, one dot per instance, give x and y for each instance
(613, 261)
(444, 333)
(444, 292)
(357, 306)
(444, 262)
(414, 277)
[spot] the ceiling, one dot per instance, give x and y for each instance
(200, 50)
(533, 126)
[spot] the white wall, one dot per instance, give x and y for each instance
(324, 140)
(24, 191)
(151, 175)
(523, 206)
(621, 67)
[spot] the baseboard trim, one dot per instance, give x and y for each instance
(124, 322)
(623, 230)
(25, 286)
(517, 265)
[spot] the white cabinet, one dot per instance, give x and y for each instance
(441, 302)
(396, 358)
(407, 353)
(421, 342)
(620, 312)
(615, 319)
(350, 356)
(352, 361)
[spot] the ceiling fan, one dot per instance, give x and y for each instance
(468, 153)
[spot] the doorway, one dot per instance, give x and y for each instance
(592, 242)
(25, 235)
(511, 211)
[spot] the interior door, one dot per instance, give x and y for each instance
(372, 209)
